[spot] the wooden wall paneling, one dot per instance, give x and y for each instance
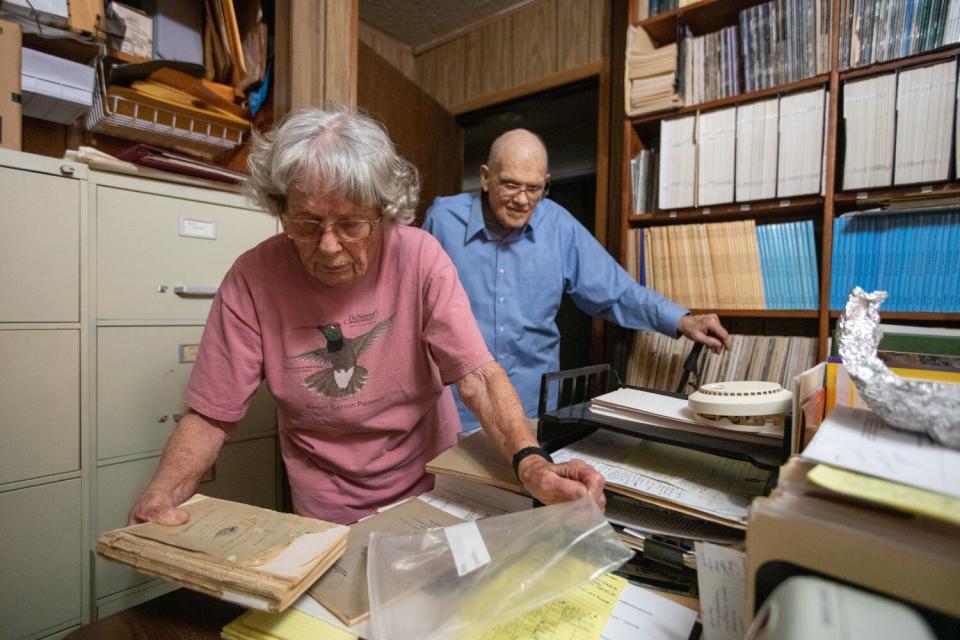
(496, 46)
(341, 27)
(423, 131)
(575, 33)
(427, 73)
(473, 64)
(451, 67)
(306, 56)
(323, 52)
(397, 53)
(600, 12)
(534, 47)
(281, 59)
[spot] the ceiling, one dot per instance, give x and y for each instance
(425, 23)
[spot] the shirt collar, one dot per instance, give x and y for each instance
(476, 226)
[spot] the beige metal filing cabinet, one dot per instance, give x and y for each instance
(106, 283)
(43, 401)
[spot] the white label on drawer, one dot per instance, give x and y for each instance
(467, 546)
(188, 353)
(205, 229)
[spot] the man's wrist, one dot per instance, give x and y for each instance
(525, 453)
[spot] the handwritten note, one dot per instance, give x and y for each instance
(582, 615)
(721, 578)
(860, 441)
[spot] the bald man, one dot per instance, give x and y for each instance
(517, 252)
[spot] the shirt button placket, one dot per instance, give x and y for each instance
(500, 340)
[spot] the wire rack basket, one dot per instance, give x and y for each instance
(124, 117)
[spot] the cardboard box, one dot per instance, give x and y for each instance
(802, 529)
(86, 16)
(10, 98)
(54, 88)
(138, 34)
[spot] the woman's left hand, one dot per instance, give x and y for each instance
(551, 483)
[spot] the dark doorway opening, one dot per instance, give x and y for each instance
(566, 119)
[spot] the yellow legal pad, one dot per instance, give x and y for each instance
(581, 615)
(887, 493)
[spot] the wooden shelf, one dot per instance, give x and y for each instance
(732, 210)
(886, 194)
(934, 55)
(913, 315)
(807, 83)
(760, 313)
(702, 17)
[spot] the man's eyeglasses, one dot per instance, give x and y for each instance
(512, 189)
(312, 230)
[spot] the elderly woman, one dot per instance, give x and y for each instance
(357, 322)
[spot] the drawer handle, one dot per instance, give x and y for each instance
(197, 292)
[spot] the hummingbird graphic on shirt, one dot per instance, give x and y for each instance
(345, 376)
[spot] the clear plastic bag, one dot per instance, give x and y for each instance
(455, 582)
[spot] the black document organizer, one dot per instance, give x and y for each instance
(571, 420)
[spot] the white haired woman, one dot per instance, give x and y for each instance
(357, 322)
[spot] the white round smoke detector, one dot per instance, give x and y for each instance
(741, 404)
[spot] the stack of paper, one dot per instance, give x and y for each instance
(673, 413)
(343, 589)
(757, 150)
(858, 440)
(800, 158)
(254, 557)
(609, 608)
(869, 110)
(476, 458)
(925, 98)
(651, 75)
(691, 482)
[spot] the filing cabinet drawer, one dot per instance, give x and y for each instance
(41, 558)
(39, 403)
(141, 375)
(146, 242)
(40, 245)
(244, 472)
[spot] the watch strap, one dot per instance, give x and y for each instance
(525, 452)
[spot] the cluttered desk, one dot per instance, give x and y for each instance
(704, 531)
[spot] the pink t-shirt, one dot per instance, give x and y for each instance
(358, 374)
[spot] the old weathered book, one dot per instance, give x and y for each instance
(255, 557)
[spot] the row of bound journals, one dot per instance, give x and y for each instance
(728, 265)
(874, 31)
(766, 149)
(899, 127)
(656, 361)
(911, 255)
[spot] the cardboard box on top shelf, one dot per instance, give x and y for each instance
(10, 97)
(86, 17)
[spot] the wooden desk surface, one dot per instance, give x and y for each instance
(181, 614)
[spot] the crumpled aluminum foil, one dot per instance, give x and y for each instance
(913, 405)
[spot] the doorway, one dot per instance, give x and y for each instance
(565, 118)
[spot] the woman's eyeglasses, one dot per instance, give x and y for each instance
(311, 229)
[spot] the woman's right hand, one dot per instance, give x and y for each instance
(159, 507)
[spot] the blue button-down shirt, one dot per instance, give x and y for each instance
(515, 285)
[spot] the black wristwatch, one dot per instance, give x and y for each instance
(525, 452)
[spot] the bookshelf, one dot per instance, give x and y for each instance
(642, 132)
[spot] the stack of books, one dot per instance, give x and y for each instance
(651, 75)
(254, 557)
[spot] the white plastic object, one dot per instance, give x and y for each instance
(740, 398)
